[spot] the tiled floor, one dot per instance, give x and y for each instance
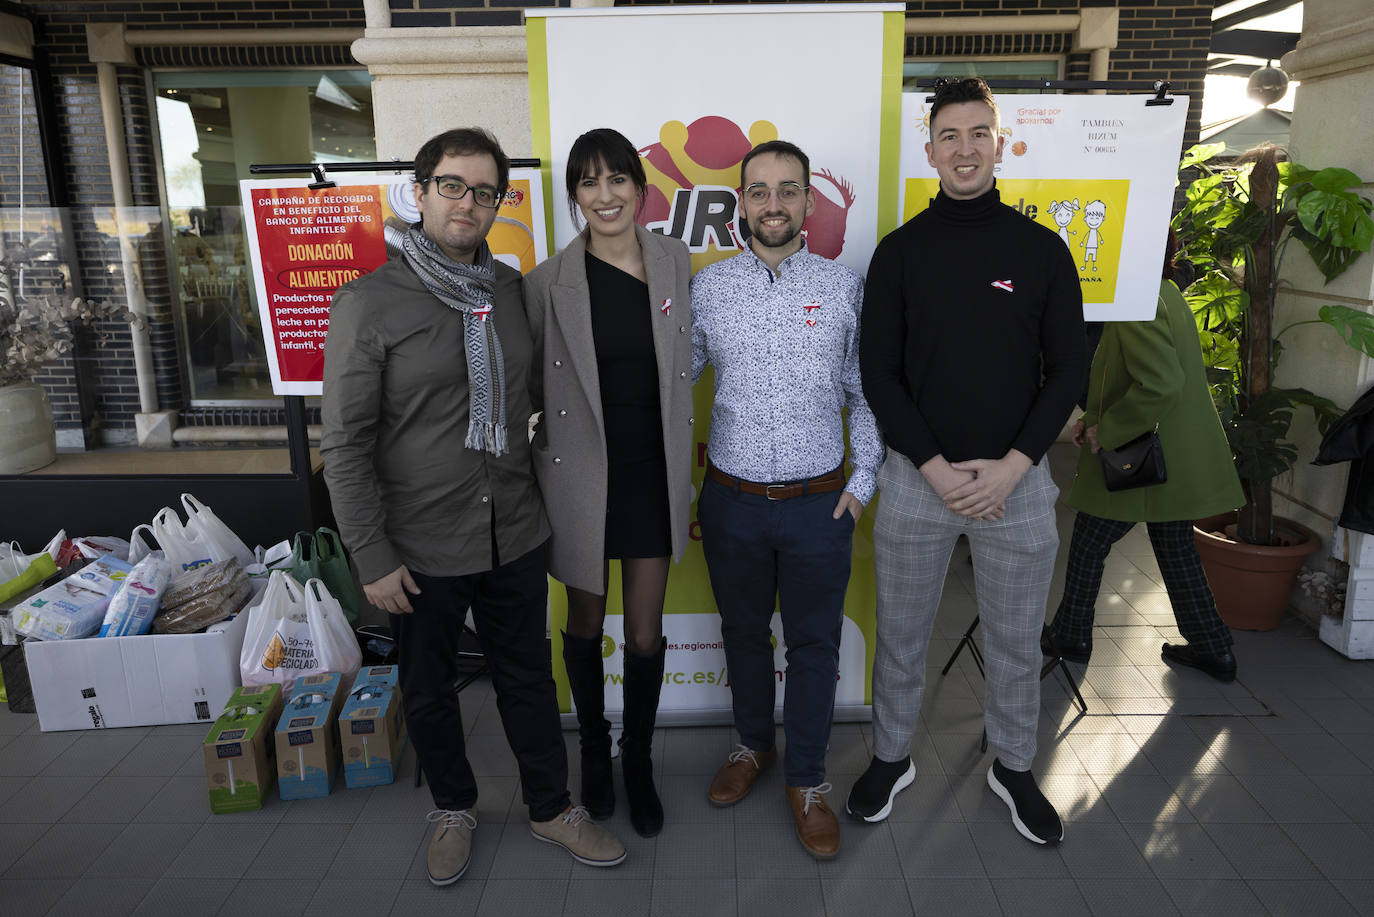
(1181, 796)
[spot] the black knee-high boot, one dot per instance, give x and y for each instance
(643, 682)
(582, 659)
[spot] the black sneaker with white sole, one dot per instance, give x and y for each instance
(1031, 813)
(872, 795)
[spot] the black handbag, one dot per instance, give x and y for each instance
(1138, 463)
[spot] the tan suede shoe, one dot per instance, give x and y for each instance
(736, 776)
(450, 847)
(576, 833)
(817, 828)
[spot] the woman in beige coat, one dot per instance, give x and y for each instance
(612, 328)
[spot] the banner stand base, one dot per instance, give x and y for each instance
(858, 713)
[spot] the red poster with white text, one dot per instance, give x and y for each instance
(310, 243)
(305, 244)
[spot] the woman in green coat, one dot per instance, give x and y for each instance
(1146, 374)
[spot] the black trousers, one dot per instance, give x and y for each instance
(1194, 608)
(509, 608)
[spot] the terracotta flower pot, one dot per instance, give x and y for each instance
(1252, 583)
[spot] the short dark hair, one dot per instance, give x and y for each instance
(603, 148)
(953, 92)
(777, 148)
(462, 141)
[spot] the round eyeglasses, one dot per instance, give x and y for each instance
(454, 188)
(788, 192)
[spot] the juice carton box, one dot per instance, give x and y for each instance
(240, 760)
(372, 729)
(308, 737)
(389, 675)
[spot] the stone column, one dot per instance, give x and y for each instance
(426, 81)
(1331, 127)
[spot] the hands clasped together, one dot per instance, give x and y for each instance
(977, 488)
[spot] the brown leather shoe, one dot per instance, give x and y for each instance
(736, 776)
(817, 828)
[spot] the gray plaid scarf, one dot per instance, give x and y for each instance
(469, 289)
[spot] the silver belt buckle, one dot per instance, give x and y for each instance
(768, 491)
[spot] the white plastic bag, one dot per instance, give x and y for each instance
(202, 539)
(93, 546)
(203, 525)
(294, 632)
(139, 547)
(13, 560)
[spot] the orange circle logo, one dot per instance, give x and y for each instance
(1018, 148)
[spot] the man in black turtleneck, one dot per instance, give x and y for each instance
(972, 356)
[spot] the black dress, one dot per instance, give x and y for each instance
(637, 520)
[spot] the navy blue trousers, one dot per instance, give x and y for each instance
(788, 554)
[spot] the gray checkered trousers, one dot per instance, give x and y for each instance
(1013, 562)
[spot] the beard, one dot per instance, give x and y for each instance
(775, 238)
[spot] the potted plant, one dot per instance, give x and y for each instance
(1238, 222)
(35, 331)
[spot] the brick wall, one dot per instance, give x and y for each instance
(444, 13)
(20, 146)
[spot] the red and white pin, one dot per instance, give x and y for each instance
(482, 312)
(1004, 285)
(667, 306)
(810, 309)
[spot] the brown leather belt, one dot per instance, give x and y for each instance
(826, 483)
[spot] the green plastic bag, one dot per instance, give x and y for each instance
(39, 569)
(321, 556)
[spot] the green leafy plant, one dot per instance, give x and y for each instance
(41, 329)
(1236, 225)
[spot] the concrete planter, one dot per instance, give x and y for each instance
(1252, 583)
(28, 438)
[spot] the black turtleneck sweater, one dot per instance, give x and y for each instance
(972, 335)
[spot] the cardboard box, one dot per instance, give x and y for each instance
(372, 729)
(149, 680)
(308, 737)
(389, 675)
(240, 760)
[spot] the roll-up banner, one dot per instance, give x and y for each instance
(1098, 170)
(304, 245)
(693, 111)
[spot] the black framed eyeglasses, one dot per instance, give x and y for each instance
(788, 192)
(454, 188)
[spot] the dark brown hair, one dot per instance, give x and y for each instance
(778, 148)
(953, 92)
(462, 141)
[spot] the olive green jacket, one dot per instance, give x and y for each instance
(1148, 373)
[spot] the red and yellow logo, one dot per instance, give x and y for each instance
(693, 177)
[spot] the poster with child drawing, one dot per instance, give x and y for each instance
(1097, 170)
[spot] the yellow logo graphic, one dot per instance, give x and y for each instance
(607, 647)
(275, 654)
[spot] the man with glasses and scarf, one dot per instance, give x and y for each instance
(780, 326)
(425, 451)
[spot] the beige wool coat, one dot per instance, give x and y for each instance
(569, 446)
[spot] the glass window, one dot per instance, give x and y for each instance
(213, 126)
(990, 70)
(23, 175)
